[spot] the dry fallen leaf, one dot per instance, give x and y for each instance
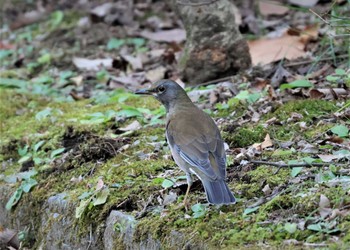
(174, 35)
(267, 50)
(135, 125)
(135, 62)
(267, 190)
(265, 144)
(99, 184)
(92, 64)
(272, 8)
(156, 74)
(327, 158)
(324, 206)
(303, 3)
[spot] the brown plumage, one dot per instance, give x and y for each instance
(194, 141)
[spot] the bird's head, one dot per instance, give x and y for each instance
(168, 92)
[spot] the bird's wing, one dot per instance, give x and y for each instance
(201, 148)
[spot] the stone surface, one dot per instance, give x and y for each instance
(52, 225)
(58, 227)
(214, 46)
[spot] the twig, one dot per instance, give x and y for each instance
(90, 239)
(315, 244)
(324, 20)
(216, 81)
(312, 61)
(144, 210)
(293, 165)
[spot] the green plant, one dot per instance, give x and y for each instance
(27, 182)
(198, 210)
(92, 198)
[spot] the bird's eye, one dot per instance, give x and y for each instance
(161, 89)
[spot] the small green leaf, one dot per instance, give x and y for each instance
(23, 151)
(85, 195)
(37, 146)
(315, 227)
(309, 160)
(43, 80)
(340, 72)
(340, 130)
(5, 53)
(290, 227)
(129, 112)
(27, 174)
(281, 152)
(57, 18)
(24, 158)
(44, 59)
(14, 199)
(138, 42)
(13, 83)
(158, 180)
(101, 197)
(114, 43)
(28, 184)
(80, 210)
(296, 171)
(242, 95)
(332, 78)
(43, 114)
(198, 210)
(167, 183)
(38, 160)
(297, 84)
(56, 152)
(250, 210)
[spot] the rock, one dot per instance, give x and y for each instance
(52, 225)
(214, 46)
(59, 229)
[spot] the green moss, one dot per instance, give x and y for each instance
(244, 136)
(308, 108)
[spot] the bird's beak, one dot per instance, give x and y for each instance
(145, 92)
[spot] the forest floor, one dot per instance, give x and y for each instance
(69, 122)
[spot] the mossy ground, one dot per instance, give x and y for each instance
(133, 177)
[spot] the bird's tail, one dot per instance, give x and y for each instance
(218, 192)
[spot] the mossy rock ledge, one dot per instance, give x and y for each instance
(56, 227)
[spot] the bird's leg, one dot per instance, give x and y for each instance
(189, 184)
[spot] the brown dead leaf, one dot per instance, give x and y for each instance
(338, 212)
(174, 35)
(324, 206)
(135, 125)
(309, 34)
(267, 190)
(328, 93)
(156, 74)
(303, 3)
(272, 8)
(280, 76)
(99, 184)
(78, 80)
(265, 144)
(135, 62)
(327, 158)
(92, 64)
(267, 50)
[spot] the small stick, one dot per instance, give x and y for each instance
(312, 61)
(284, 165)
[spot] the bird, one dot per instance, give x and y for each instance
(194, 140)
